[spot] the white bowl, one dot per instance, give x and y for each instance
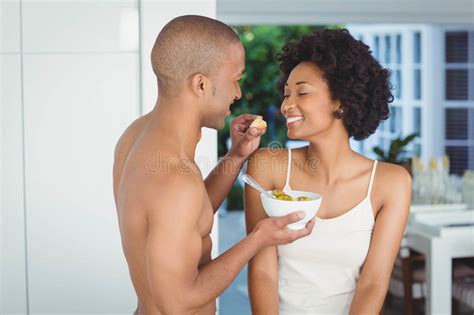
(278, 208)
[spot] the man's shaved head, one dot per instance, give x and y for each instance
(188, 45)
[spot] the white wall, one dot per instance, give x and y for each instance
(74, 75)
(13, 281)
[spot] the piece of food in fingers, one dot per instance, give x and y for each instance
(259, 123)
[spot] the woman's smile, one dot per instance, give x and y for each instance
(293, 119)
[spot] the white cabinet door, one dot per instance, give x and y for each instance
(13, 272)
(76, 107)
(61, 250)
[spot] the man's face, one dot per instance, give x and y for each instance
(226, 88)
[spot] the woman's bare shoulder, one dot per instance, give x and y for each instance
(265, 154)
(390, 173)
(268, 164)
(392, 180)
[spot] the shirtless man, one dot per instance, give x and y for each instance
(165, 208)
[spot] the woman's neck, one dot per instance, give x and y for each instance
(332, 157)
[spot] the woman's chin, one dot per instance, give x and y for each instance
(294, 135)
(298, 136)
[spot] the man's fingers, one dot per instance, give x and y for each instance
(311, 222)
(242, 124)
(249, 117)
(250, 134)
(244, 119)
(309, 226)
(296, 234)
(291, 218)
(253, 133)
(241, 128)
(261, 131)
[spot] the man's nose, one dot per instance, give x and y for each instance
(239, 94)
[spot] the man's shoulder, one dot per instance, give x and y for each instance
(176, 176)
(184, 181)
(177, 189)
(130, 134)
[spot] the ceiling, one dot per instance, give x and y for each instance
(345, 11)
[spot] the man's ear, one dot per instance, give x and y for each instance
(199, 84)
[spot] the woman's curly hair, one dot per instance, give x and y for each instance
(353, 76)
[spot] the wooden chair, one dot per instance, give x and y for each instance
(408, 281)
(463, 284)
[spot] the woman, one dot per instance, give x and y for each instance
(333, 89)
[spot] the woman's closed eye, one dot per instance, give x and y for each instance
(299, 94)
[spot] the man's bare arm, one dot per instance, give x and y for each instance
(220, 180)
(174, 248)
(245, 141)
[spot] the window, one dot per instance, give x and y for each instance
(403, 105)
(398, 84)
(388, 49)
(403, 50)
(456, 47)
(459, 93)
(417, 47)
(376, 48)
(417, 84)
(395, 120)
(456, 84)
(399, 48)
(417, 120)
(456, 121)
(459, 158)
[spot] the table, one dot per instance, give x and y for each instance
(441, 236)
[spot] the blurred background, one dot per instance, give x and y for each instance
(75, 73)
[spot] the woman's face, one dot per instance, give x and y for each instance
(307, 104)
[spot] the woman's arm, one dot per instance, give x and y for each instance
(263, 267)
(394, 185)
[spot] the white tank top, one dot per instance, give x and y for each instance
(318, 273)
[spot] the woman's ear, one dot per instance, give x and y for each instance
(339, 111)
(199, 84)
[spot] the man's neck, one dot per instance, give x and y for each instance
(177, 123)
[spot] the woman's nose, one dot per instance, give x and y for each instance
(287, 106)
